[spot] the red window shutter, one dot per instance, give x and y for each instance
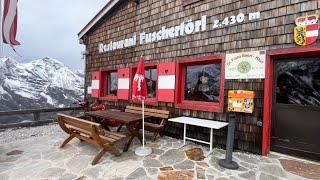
(166, 81)
(96, 84)
(123, 83)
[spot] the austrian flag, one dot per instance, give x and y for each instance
(9, 24)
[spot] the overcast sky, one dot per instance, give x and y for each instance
(50, 28)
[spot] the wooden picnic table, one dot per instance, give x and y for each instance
(133, 122)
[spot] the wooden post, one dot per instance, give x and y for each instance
(36, 116)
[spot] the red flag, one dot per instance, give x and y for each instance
(9, 23)
(139, 84)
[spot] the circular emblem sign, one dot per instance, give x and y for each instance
(244, 67)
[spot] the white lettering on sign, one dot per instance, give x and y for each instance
(172, 32)
(118, 44)
(235, 19)
(185, 28)
(254, 15)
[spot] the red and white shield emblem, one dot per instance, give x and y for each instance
(307, 30)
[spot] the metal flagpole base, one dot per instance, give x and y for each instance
(229, 165)
(143, 151)
(227, 162)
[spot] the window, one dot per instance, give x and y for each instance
(151, 78)
(112, 83)
(109, 85)
(151, 73)
(200, 84)
(298, 82)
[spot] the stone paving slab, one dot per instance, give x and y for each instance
(37, 156)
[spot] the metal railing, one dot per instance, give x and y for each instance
(36, 116)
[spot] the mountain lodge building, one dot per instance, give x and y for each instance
(190, 49)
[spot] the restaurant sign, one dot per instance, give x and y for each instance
(185, 28)
(245, 65)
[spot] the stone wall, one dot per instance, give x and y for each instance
(274, 30)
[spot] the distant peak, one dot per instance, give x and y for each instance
(48, 60)
(7, 60)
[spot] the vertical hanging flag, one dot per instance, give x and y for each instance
(9, 24)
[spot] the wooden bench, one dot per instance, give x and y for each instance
(90, 132)
(152, 127)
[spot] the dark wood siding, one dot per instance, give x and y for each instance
(274, 30)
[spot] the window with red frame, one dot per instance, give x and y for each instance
(200, 84)
(151, 79)
(111, 81)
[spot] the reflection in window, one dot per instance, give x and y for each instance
(112, 80)
(202, 83)
(151, 77)
(298, 82)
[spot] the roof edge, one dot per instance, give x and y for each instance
(97, 17)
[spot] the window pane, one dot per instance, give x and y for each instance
(112, 83)
(202, 83)
(151, 76)
(298, 82)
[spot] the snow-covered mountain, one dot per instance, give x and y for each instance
(42, 83)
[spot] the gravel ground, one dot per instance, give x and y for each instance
(15, 134)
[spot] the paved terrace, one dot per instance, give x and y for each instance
(33, 153)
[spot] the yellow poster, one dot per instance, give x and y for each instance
(240, 101)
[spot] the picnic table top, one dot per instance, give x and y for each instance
(199, 122)
(123, 117)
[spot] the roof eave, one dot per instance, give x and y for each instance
(97, 17)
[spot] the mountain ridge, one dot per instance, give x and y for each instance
(41, 83)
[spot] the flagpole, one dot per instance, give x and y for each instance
(140, 91)
(1, 37)
(143, 123)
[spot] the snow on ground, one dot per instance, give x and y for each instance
(2, 91)
(12, 83)
(49, 99)
(25, 94)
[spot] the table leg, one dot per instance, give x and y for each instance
(184, 135)
(133, 132)
(211, 142)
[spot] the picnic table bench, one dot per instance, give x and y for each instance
(198, 122)
(90, 132)
(133, 122)
(157, 129)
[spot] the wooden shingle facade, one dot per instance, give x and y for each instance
(273, 30)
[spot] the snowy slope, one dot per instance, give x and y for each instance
(41, 83)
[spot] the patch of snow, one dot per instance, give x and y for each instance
(49, 99)
(25, 94)
(12, 84)
(66, 97)
(2, 91)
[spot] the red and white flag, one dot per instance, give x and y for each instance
(9, 23)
